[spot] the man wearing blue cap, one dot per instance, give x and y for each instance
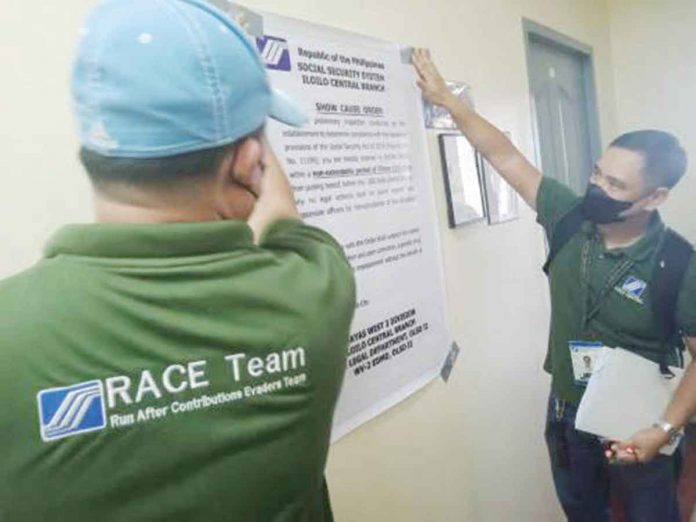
(180, 359)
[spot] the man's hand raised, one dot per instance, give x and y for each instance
(487, 139)
(430, 80)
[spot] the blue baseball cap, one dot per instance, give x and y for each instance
(157, 78)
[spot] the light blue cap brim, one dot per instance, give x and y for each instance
(286, 110)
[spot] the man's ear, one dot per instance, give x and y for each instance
(657, 198)
(247, 164)
(238, 180)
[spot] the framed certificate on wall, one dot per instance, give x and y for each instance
(460, 168)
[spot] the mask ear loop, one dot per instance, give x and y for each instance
(653, 194)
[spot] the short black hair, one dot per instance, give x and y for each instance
(665, 158)
(152, 172)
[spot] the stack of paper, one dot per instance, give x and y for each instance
(625, 394)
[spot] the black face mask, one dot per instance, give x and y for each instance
(600, 208)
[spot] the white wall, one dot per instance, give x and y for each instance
(41, 183)
(469, 450)
(655, 79)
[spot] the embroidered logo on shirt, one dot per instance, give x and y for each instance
(633, 289)
(71, 410)
(274, 52)
(147, 395)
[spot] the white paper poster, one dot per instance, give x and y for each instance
(360, 170)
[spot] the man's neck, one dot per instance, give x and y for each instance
(116, 212)
(625, 233)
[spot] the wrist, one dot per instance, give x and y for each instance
(669, 432)
(458, 108)
(451, 102)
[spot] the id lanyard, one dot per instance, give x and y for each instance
(592, 306)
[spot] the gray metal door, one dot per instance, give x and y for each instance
(561, 103)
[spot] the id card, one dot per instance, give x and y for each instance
(584, 355)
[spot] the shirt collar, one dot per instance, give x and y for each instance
(149, 240)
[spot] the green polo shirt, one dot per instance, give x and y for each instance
(625, 317)
(172, 372)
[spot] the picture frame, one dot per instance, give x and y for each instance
(462, 176)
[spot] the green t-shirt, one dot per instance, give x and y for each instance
(625, 317)
(173, 372)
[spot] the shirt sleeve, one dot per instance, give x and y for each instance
(307, 241)
(686, 303)
(323, 272)
(554, 200)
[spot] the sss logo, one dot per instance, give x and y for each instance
(71, 410)
(274, 52)
(634, 286)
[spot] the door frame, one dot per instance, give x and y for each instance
(535, 31)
